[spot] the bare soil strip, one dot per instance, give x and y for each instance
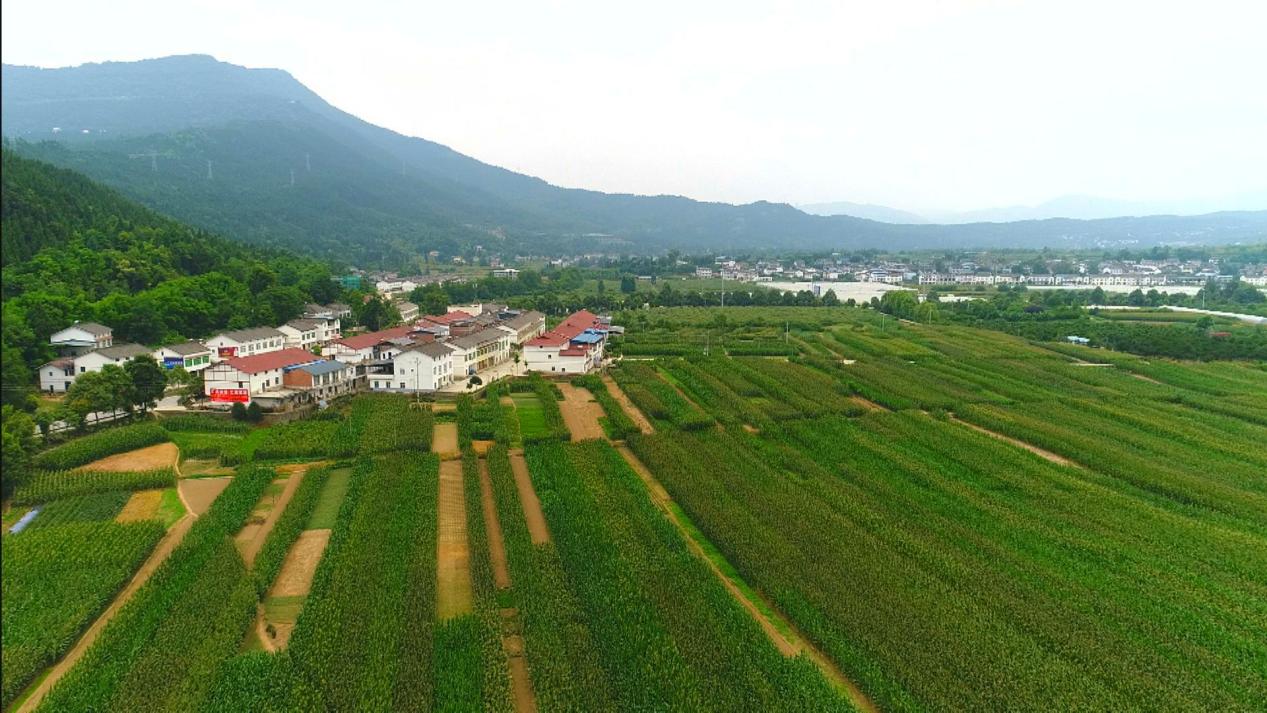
(513, 647)
(295, 577)
(1149, 379)
(163, 455)
(528, 498)
(580, 413)
(444, 440)
(1040, 452)
(143, 505)
(493, 530)
(454, 595)
(444, 407)
(867, 403)
(481, 447)
(630, 410)
(198, 494)
(789, 645)
(252, 536)
(151, 564)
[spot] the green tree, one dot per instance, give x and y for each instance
(238, 411)
(148, 381)
(431, 299)
(18, 444)
(628, 284)
(254, 413)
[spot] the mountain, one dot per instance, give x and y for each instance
(1093, 208)
(870, 211)
(255, 155)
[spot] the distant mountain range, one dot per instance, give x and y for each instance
(256, 155)
(1074, 206)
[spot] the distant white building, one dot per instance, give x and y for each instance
(408, 311)
(574, 346)
(82, 337)
(422, 367)
(508, 273)
(302, 333)
(191, 356)
(246, 342)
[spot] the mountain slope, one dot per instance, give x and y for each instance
(869, 211)
(369, 195)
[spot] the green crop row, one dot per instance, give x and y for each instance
(44, 486)
(659, 399)
(98, 507)
(269, 559)
(195, 423)
(87, 449)
(615, 422)
(388, 422)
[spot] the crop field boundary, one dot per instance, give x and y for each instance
(454, 590)
(631, 411)
(780, 630)
(528, 497)
(1040, 452)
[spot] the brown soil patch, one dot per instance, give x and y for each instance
(481, 447)
(630, 410)
(506, 401)
(197, 494)
(295, 577)
(444, 440)
(444, 407)
(151, 564)
(493, 530)
(143, 505)
(1149, 379)
(751, 428)
(163, 455)
(251, 538)
(454, 595)
(868, 403)
(792, 645)
(580, 412)
(513, 647)
(1040, 452)
(528, 498)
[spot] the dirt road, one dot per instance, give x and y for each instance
(1040, 452)
(630, 410)
(251, 538)
(528, 498)
(454, 595)
(197, 494)
(444, 440)
(493, 530)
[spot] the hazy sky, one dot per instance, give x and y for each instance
(919, 105)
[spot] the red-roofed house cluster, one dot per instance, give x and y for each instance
(574, 346)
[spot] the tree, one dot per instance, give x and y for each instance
(431, 299)
(254, 413)
(830, 299)
(377, 313)
(238, 411)
(148, 381)
(628, 284)
(18, 444)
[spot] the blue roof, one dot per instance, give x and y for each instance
(589, 336)
(323, 367)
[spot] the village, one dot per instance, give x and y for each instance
(309, 360)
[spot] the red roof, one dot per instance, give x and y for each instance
(579, 350)
(361, 341)
(563, 332)
(271, 360)
(451, 317)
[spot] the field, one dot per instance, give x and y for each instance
(878, 515)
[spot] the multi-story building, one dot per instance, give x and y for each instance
(246, 342)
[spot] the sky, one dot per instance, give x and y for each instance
(920, 105)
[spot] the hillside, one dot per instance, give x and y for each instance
(74, 249)
(373, 196)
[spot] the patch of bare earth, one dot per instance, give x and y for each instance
(444, 407)
(444, 440)
(295, 577)
(528, 498)
(493, 530)
(481, 447)
(1040, 452)
(580, 412)
(513, 646)
(147, 569)
(454, 594)
(198, 494)
(867, 403)
(789, 645)
(163, 455)
(630, 410)
(269, 509)
(142, 506)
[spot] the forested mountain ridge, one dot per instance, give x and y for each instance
(74, 249)
(372, 196)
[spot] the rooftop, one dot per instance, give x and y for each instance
(435, 350)
(304, 325)
(369, 339)
(575, 324)
(271, 360)
(318, 368)
(475, 339)
(252, 334)
(97, 330)
(187, 348)
(122, 351)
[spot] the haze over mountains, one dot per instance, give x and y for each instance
(253, 154)
(1072, 206)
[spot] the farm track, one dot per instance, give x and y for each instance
(1040, 452)
(294, 579)
(493, 528)
(252, 536)
(161, 551)
(528, 497)
(454, 591)
(793, 645)
(580, 413)
(444, 441)
(630, 410)
(869, 404)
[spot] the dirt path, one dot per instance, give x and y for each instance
(528, 498)
(444, 440)
(791, 644)
(143, 505)
(513, 647)
(493, 530)
(163, 455)
(147, 569)
(580, 412)
(295, 577)
(198, 494)
(630, 410)
(251, 538)
(1040, 452)
(454, 595)
(868, 403)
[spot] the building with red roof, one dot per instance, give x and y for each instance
(241, 378)
(573, 346)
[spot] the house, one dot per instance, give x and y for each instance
(57, 375)
(363, 347)
(302, 333)
(246, 342)
(480, 350)
(191, 356)
(1077, 340)
(408, 311)
(241, 378)
(422, 367)
(527, 325)
(324, 380)
(81, 338)
(507, 273)
(118, 355)
(703, 272)
(574, 346)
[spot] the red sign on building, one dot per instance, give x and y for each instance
(227, 352)
(229, 395)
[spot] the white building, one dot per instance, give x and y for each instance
(527, 325)
(57, 375)
(239, 379)
(191, 356)
(302, 333)
(408, 311)
(575, 346)
(82, 337)
(246, 342)
(422, 367)
(508, 273)
(481, 350)
(118, 355)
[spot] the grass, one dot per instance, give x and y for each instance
(283, 608)
(170, 508)
(327, 509)
(532, 418)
